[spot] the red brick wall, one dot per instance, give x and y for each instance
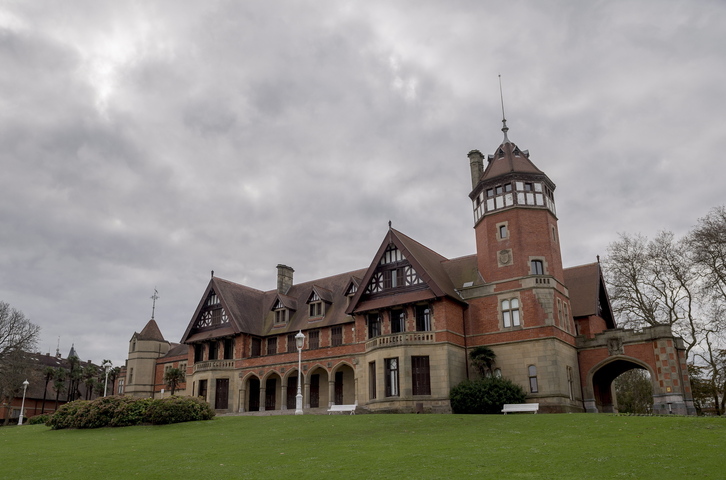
(530, 234)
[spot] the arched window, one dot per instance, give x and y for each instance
(532, 371)
(510, 313)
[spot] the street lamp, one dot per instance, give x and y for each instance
(107, 365)
(22, 405)
(299, 342)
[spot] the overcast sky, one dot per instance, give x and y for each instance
(144, 144)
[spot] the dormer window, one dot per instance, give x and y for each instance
(281, 313)
(315, 306)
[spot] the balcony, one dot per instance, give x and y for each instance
(400, 340)
(213, 365)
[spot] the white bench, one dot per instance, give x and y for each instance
(520, 407)
(343, 408)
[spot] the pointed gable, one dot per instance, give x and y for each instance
(402, 271)
(226, 308)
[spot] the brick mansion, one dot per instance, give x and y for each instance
(395, 336)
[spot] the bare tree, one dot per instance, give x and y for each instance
(16, 331)
(708, 243)
(654, 283)
(18, 335)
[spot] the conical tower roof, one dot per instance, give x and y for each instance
(151, 332)
(508, 158)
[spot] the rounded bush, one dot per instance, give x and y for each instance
(487, 395)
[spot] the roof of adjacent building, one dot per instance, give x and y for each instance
(588, 295)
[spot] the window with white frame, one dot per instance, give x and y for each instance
(391, 365)
(510, 313)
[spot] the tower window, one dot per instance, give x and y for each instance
(510, 313)
(532, 372)
(490, 192)
(503, 232)
(537, 267)
(508, 187)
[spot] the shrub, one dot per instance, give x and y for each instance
(487, 395)
(126, 411)
(178, 409)
(39, 419)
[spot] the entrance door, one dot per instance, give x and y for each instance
(315, 391)
(338, 399)
(291, 392)
(254, 389)
(221, 394)
(270, 386)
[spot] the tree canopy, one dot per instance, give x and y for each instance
(679, 282)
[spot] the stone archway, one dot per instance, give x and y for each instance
(342, 383)
(316, 388)
(601, 381)
(608, 354)
(271, 392)
(252, 387)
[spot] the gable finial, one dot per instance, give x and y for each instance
(212, 273)
(153, 304)
(505, 129)
(389, 224)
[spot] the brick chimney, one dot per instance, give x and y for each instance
(284, 278)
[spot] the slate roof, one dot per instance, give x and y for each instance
(250, 310)
(588, 295)
(151, 332)
(509, 158)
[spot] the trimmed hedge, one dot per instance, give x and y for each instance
(487, 395)
(117, 411)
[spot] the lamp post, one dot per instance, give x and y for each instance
(299, 342)
(107, 365)
(22, 405)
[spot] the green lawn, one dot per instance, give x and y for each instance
(376, 446)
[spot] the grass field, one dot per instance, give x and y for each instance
(523, 446)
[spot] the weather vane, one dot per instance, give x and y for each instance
(153, 305)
